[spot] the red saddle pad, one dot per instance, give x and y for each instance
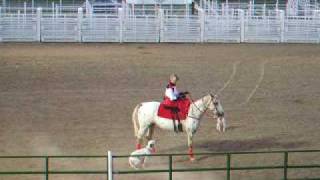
(183, 106)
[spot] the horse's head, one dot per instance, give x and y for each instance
(218, 112)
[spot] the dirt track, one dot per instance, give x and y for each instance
(69, 99)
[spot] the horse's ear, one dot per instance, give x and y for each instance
(213, 95)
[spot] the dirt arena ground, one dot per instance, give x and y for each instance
(77, 99)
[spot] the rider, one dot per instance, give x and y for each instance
(172, 95)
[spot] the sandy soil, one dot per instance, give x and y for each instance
(77, 99)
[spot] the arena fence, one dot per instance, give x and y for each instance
(286, 165)
(236, 26)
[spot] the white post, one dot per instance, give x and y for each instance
(57, 11)
(121, 21)
(186, 7)
(227, 5)
(39, 12)
(242, 28)
(53, 11)
(171, 7)
(110, 166)
(80, 16)
(264, 11)
(32, 5)
(19, 18)
(60, 7)
(0, 21)
(87, 6)
(202, 22)
(25, 8)
(282, 27)
(161, 28)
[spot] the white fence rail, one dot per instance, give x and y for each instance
(235, 26)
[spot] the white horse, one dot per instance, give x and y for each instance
(145, 117)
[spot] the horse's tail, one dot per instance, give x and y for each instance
(135, 119)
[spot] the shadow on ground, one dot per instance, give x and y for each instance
(241, 145)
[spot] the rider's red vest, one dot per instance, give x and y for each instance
(166, 99)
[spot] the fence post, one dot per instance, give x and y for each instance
(281, 18)
(80, 16)
(285, 166)
(110, 166)
(242, 26)
(228, 166)
(39, 15)
(0, 21)
(161, 18)
(47, 167)
(121, 21)
(170, 167)
(202, 24)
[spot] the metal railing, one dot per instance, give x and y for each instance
(46, 168)
(207, 26)
(229, 168)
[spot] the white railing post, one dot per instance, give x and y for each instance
(282, 28)
(161, 28)
(32, 6)
(317, 16)
(80, 16)
(25, 8)
(110, 166)
(39, 15)
(0, 21)
(121, 21)
(242, 25)
(202, 23)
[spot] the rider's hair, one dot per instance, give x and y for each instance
(173, 75)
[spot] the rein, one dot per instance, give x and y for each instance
(193, 102)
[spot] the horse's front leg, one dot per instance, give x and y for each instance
(190, 138)
(150, 132)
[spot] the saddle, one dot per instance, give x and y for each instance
(178, 111)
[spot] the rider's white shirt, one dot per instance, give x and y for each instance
(172, 93)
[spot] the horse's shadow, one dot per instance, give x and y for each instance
(265, 143)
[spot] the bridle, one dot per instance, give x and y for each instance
(201, 112)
